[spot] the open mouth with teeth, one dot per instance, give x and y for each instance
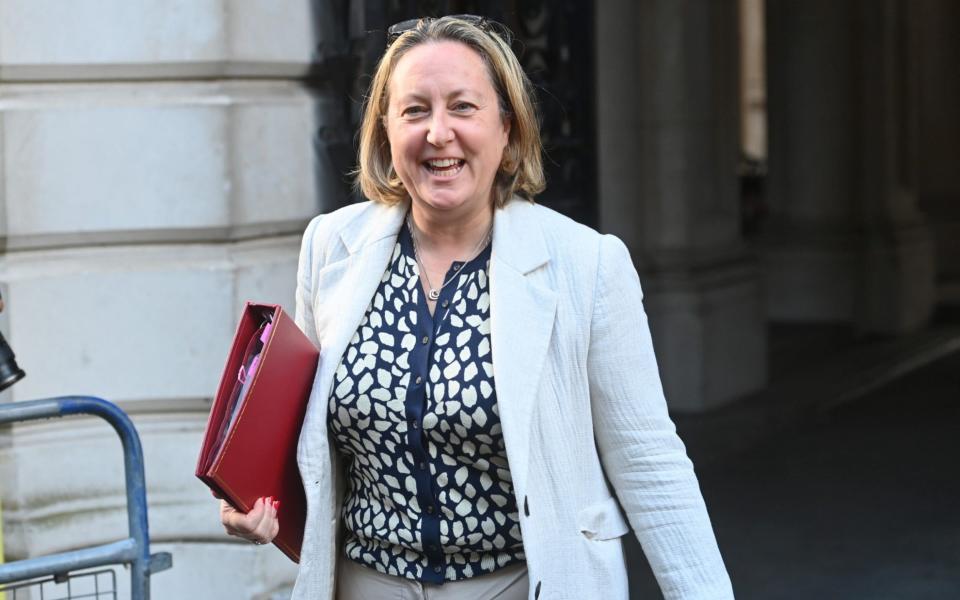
(444, 167)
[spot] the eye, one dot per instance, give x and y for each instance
(462, 107)
(413, 111)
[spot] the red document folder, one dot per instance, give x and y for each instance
(257, 454)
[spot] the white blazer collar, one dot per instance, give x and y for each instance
(522, 312)
(344, 288)
(377, 222)
(341, 294)
(517, 237)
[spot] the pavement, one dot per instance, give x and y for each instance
(855, 493)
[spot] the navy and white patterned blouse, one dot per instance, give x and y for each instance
(414, 412)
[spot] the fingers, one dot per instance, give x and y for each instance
(268, 525)
(238, 523)
(260, 525)
(244, 524)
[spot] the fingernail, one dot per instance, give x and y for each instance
(276, 504)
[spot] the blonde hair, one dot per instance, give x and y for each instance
(521, 170)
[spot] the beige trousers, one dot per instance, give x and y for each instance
(358, 582)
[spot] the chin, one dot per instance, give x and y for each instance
(444, 201)
(444, 206)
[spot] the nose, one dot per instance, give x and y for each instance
(440, 132)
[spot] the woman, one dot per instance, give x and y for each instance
(487, 418)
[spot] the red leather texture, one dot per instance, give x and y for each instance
(258, 457)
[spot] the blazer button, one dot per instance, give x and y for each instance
(536, 594)
(526, 507)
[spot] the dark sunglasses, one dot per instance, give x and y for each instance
(488, 25)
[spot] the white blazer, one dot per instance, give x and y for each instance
(590, 445)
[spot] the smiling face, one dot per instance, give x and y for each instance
(445, 128)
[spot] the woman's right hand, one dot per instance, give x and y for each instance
(259, 526)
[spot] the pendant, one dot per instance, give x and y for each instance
(433, 294)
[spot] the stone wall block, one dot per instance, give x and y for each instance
(85, 321)
(811, 279)
(678, 341)
(58, 499)
(709, 336)
(156, 162)
(735, 341)
(898, 287)
(141, 39)
(62, 498)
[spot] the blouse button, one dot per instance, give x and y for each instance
(425, 340)
(419, 380)
(415, 424)
(456, 267)
(422, 465)
(430, 509)
(437, 569)
(445, 303)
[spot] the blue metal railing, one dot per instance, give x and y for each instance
(133, 551)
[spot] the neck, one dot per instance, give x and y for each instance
(454, 234)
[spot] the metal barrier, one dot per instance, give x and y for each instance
(133, 551)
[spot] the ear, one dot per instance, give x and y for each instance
(507, 121)
(508, 162)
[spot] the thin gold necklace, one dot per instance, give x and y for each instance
(434, 293)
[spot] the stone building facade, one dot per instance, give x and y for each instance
(158, 161)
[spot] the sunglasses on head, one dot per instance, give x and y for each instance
(488, 25)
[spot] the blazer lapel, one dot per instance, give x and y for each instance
(522, 311)
(342, 293)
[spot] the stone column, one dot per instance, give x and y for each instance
(844, 242)
(898, 279)
(934, 27)
(667, 102)
(811, 248)
(159, 162)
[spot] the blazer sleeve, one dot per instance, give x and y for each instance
(642, 455)
(306, 267)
